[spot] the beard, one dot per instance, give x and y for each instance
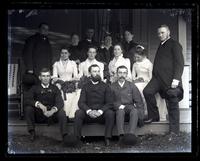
(96, 78)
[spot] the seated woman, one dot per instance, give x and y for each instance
(117, 61)
(141, 74)
(65, 76)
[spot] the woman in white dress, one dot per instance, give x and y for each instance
(142, 74)
(65, 76)
(117, 61)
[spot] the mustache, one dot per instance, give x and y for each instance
(122, 77)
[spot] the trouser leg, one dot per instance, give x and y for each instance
(78, 122)
(30, 117)
(133, 121)
(174, 116)
(109, 117)
(120, 114)
(62, 118)
(149, 93)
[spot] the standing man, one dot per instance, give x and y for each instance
(44, 103)
(86, 42)
(37, 54)
(166, 79)
(127, 101)
(95, 104)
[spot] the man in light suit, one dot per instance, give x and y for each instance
(166, 79)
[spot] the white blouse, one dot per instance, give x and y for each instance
(83, 67)
(142, 69)
(66, 71)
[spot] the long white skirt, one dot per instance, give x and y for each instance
(71, 104)
(161, 104)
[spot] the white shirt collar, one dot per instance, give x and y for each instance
(164, 41)
(94, 82)
(121, 84)
(47, 86)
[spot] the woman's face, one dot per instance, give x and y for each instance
(138, 58)
(117, 50)
(128, 36)
(64, 54)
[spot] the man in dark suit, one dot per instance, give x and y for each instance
(127, 101)
(166, 79)
(95, 104)
(44, 104)
(86, 42)
(37, 54)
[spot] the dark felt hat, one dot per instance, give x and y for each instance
(128, 139)
(174, 94)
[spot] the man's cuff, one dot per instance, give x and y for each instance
(175, 82)
(56, 109)
(100, 111)
(88, 111)
(36, 103)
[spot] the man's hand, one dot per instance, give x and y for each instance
(92, 114)
(140, 79)
(121, 107)
(174, 83)
(42, 107)
(97, 113)
(50, 112)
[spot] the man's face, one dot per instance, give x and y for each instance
(90, 33)
(75, 39)
(163, 33)
(108, 40)
(95, 71)
(128, 36)
(64, 54)
(92, 53)
(45, 78)
(44, 30)
(122, 73)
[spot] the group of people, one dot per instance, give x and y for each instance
(107, 84)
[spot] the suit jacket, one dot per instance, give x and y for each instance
(49, 97)
(127, 95)
(168, 63)
(95, 97)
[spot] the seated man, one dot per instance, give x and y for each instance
(95, 104)
(44, 103)
(127, 100)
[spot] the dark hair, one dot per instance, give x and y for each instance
(140, 50)
(165, 26)
(91, 66)
(129, 29)
(74, 33)
(92, 46)
(42, 23)
(122, 67)
(64, 47)
(44, 70)
(119, 44)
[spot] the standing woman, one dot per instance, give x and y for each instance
(142, 74)
(65, 76)
(117, 61)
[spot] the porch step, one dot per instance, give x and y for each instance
(52, 131)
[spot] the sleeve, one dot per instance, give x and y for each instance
(75, 70)
(134, 72)
(108, 99)
(82, 103)
(150, 70)
(129, 69)
(55, 70)
(137, 99)
(178, 61)
(80, 70)
(101, 72)
(28, 53)
(29, 97)
(58, 99)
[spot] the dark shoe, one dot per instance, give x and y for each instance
(107, 142)
(128, 139)
(148, 121)
(32, 135)
(71, 140)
